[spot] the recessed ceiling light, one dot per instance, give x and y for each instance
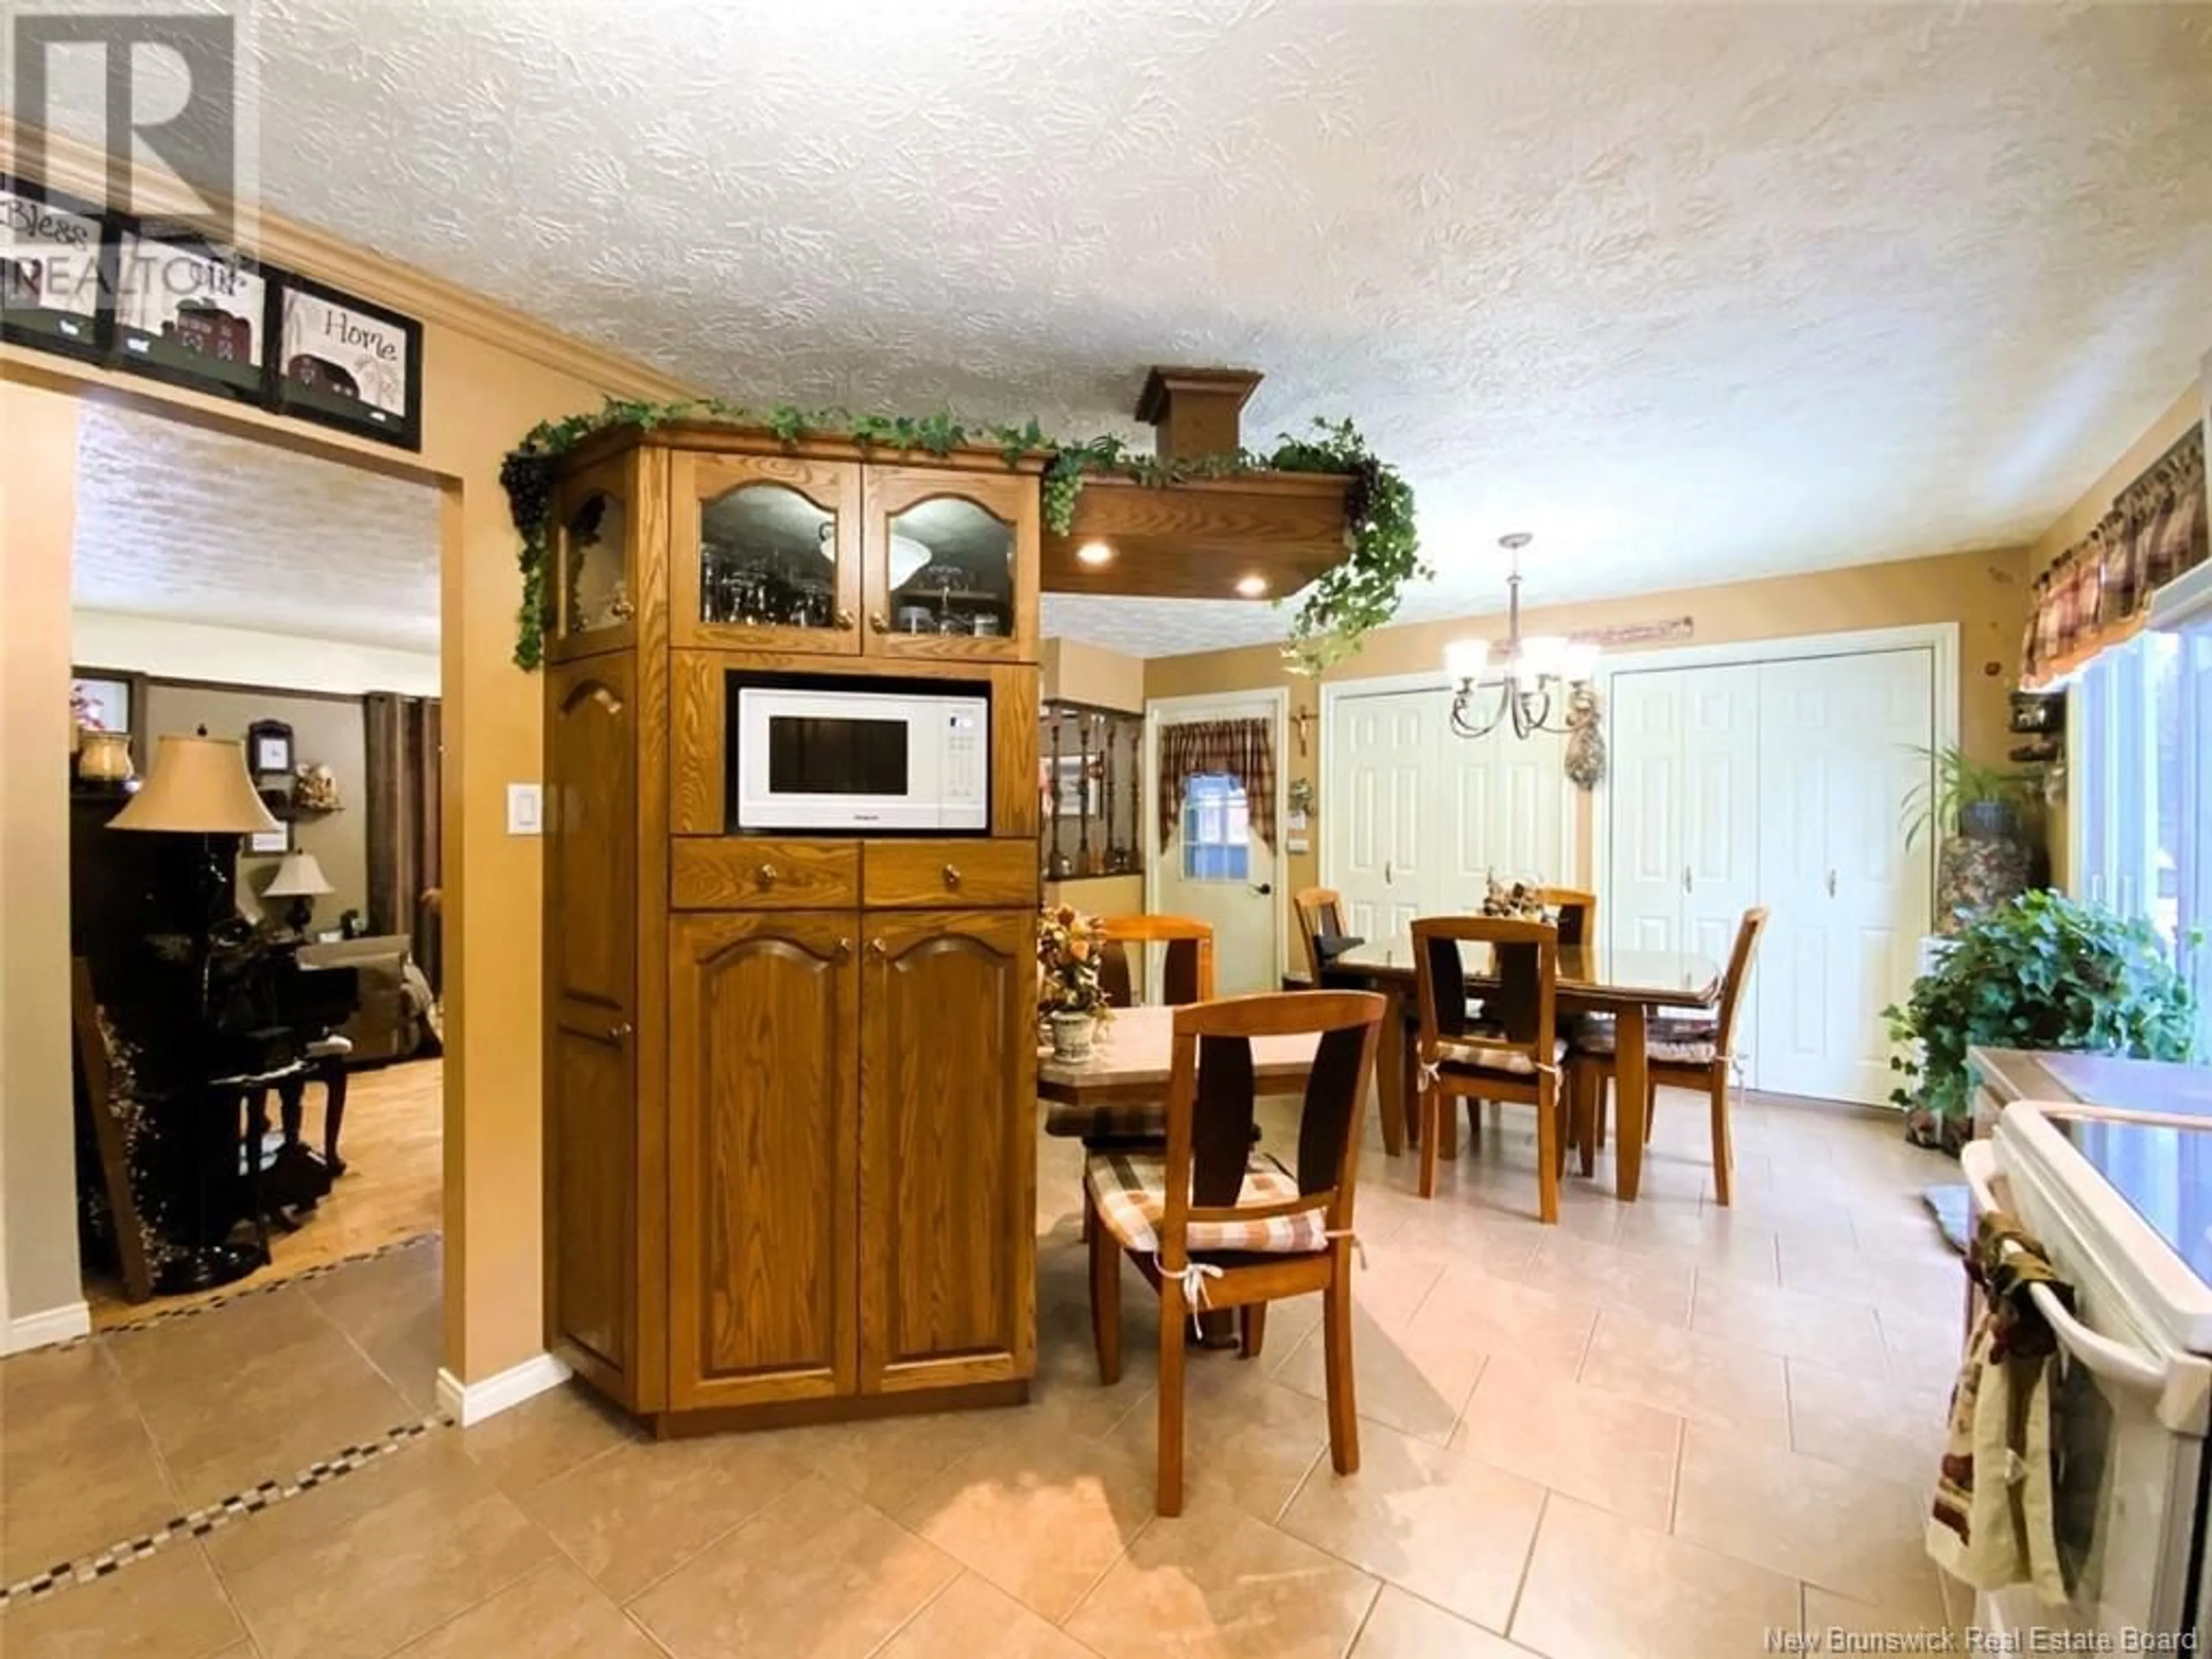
(1252, 587)
(1094, 553)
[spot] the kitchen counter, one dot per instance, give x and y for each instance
(2142, 1085)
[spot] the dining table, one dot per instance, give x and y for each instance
(1594, 978)
(1133, 1055)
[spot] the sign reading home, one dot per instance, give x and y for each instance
(50, 280)
(347, 363)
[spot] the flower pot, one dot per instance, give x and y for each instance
(1070, 1036)
(1990, 820)
(1974, 874)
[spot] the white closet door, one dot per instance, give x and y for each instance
(1388, 859)
(1837, 737)
(1721, 816)
(1504, 808)
(1642, 905)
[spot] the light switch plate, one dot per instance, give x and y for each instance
(525, 809)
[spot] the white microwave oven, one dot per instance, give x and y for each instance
(829, 761)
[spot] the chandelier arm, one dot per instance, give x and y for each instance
(1469, 728)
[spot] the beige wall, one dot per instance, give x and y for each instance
(193, 651)
(328, 731)
(489, 376)
(1092, 674)
(38, 1156)
(1984, 594)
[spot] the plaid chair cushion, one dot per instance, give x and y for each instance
(1114, 1120)
(1477, 1056)
(1672, 1048)
(1131, 1192)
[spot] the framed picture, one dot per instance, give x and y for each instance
(111, 699)
(275, 843)
(347, 363)
(54, 270)
(190, 312)
(269, 748)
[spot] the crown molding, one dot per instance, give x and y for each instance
(80, 169)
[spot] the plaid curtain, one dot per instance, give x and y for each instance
(2096, 593)
(1243, 750)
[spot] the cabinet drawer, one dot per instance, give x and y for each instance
(764, 875)
(910, 874)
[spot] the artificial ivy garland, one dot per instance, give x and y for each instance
(1343, 604)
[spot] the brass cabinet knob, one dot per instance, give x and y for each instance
(878, 621)
(952, 875)
(844, 949)
(769, 875)
(844, 621)
(877, 947)
(619, 1032)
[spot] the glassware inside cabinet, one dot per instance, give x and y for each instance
(767, 557)
(951, 569)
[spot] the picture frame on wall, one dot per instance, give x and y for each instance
(55, 274)
(345, 362)
(269, 748)
(190, 312)
(271, 843)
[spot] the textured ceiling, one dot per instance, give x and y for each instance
(176, 522)
(1692, 292)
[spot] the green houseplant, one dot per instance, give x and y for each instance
(2041, 971)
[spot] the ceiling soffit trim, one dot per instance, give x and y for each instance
(80, 169)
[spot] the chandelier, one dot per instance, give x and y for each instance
(1531, 677)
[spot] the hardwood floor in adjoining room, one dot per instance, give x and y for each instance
(1591, 1440)
(393, 1143)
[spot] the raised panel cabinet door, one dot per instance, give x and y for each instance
(952, 563)
(766, 554)
(591, 983)
(763, 1138)
(948, 1149)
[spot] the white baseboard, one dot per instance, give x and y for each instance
(63, 1324)
(468, 1403)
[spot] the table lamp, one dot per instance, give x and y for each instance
(300, 879)
(198, 786)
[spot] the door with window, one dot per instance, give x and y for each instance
(1214, 770)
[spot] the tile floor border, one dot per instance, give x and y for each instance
(159, 1317)
(104, 1563)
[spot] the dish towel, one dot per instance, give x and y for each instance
(1990, 1524)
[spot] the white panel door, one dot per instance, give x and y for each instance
(1642, 905)
(1387, 863)
(1837, 737)
(1721, 817)
(1505, 811)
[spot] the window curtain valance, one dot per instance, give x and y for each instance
(2097, 593)
(1243, 748)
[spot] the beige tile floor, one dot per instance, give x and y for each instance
(1657, 1430)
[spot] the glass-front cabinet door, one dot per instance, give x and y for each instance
(953, 563)
(767, 553)
(592, 596)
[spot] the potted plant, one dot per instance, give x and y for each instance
(2040, 971)
(1071, 999)
(1983, 858)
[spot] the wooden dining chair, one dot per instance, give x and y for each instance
(1577, 913)
(1186, 965)
(1679, 1055)
(1186, 977)
(1514, 1054)
(1319, 912)
(1214, 1223)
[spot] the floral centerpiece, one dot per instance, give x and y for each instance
(1071, 998)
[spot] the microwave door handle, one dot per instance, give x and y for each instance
(2116, 1362)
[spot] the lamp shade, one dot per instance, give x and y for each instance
(298, 876)
(198, 786)
(1465, 660)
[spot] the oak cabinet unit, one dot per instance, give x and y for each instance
(789, 1079)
